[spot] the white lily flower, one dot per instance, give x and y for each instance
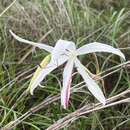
(58, 57)
(66, 51)
(90, 83)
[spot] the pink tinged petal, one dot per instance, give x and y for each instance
(91, 84)
(39, 45)
(67, 78)
(61, 48)
(99, 47)
(67, 95)
(45, 71)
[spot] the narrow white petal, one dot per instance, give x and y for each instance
(91, 84)
(45, 71)
(67, 78)
(42, 65)
(61, 48)
(99, 47)
(39, 45)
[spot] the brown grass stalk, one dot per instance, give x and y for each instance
(117, 99)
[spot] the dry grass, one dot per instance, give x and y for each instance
(47, 21)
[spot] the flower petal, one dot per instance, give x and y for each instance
(43, 64)
(99, 47)
(45, 71)
(67, 78)
(61, 48)
(91, 84)
(39, 45)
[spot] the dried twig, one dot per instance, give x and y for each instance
(84, 110)
(46, 102)
(73, 116)
(1, 14)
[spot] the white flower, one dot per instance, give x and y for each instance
(66, 51)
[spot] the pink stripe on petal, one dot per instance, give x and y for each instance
(67, 95)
